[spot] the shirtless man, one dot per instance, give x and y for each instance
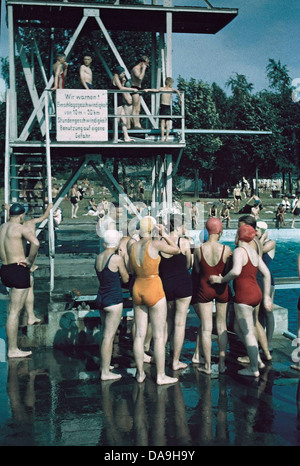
(237, 196)
(166, 106)
(137, 76)
(15, 271)
(60, 69)
(29, 316)
(85, 73)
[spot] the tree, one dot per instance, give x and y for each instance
(200, 112)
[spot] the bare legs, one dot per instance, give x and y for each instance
(74, 210)
(17, 301)
(268, 321)
(157, 315)
(110, 317)
(29, 317)
(206, 317)
(245, 329)
(197, 357)
(136, 107)
(123, 119)
(176, 320)
(261, 335)
(165, 124)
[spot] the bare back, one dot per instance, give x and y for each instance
(166, 99)
(212, 252)
(12, 239)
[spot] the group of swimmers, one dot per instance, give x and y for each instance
(165, 278)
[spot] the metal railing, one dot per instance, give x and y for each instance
(154, 117)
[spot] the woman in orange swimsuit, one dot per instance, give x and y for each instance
(148, 296)
(248, 295)
(211, 259)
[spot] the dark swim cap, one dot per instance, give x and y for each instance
(119, 69)
(16, 209)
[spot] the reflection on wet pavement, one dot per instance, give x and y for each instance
(56, 398)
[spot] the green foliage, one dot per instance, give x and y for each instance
(224, 157)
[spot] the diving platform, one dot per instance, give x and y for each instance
(140, 17)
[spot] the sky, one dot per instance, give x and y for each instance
(262, 30)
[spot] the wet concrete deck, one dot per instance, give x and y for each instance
(56, 398)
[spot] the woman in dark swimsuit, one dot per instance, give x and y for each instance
(177, 284)
(118, 82)
(211, 259)
(248, 295)
(110, 267)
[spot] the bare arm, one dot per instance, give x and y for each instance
(56, 76)
(82, 76)
(34, 221)
(34, 245)
(238, 262)
(197, 258)
(119, 85)
(139, 71)
(122, 270)
(178, 93)
(167, 246)
(268, 304)
(268, 246)
(186, 250)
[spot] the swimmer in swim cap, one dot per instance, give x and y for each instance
(16, 209)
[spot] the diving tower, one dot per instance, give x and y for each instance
(42, 148)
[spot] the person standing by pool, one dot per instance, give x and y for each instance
(268, 253)
(237, 196)
(297, 366)
(259, 330)
(148, 296)
(75, 198)
(110, 267)
(177, 284)
(248, 295)
(15, 271)
(210, 259)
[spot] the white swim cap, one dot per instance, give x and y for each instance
(111, 238)
(263, 226)
(146, 225)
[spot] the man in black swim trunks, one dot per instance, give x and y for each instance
(15, 271)
(137, 75)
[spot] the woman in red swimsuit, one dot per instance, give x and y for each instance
(210, 259)
(248, 295)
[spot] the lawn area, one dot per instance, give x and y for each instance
(266, 214)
